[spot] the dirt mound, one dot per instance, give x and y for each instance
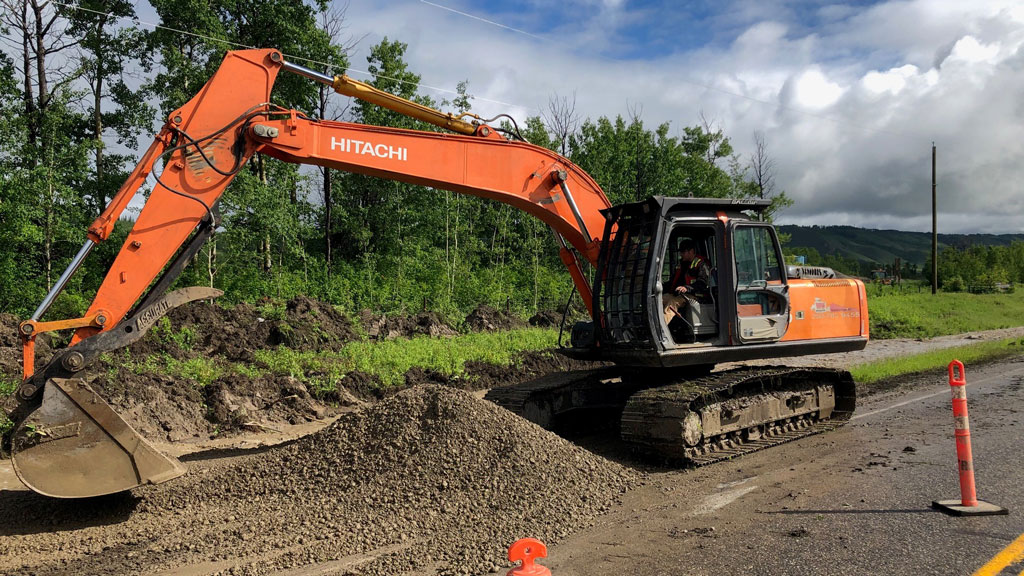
(236, 401)
(360, 384)
(10, 348)
(201, 329)
(430, 479)
(315, 325)
(527, 366)
(9, 331)
(546, 319)
(159, 407)
(383, 327)
(487, 319)
(483, 375)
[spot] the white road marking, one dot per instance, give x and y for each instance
(735, 483)
(945, 390)
(719, 501)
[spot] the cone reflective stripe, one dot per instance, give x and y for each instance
(961, 424)
(968, 505)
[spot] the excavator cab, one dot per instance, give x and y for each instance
(695, 318)
(746, 315)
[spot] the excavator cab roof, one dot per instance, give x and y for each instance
(669, 206)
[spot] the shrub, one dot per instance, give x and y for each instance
(954, 284)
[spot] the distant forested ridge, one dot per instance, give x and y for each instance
(973, 258)
(869, 245)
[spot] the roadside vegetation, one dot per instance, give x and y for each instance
(910, 314)
(891, 367)
(389, 360)
(7, 387)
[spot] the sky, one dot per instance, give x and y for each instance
(849, 96)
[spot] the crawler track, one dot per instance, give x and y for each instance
(695, 421)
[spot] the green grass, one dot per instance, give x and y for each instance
(200, 370)
(7, 387)
(883, 369)
(924, 315)
(391, 359)
(8, 384)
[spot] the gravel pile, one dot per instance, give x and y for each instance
(430, 479)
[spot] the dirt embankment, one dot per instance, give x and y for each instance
(430, 479)
(244, 394)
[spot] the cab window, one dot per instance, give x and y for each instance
(757, 262)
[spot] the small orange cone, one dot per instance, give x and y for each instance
(526, 551)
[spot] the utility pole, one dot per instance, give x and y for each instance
(935, 231)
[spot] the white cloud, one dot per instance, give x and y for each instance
(969, 51)
(849, 106)
(892, 81)
(812, 90)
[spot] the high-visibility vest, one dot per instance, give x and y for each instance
(693, 268)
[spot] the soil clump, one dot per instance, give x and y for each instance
(486, 319)
(384, 327)
(428, 479)
(201, 329)
(546, 319)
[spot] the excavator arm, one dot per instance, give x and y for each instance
(67, 441)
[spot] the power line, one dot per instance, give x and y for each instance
(486, 21)
(288, 56)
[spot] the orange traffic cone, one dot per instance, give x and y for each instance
(968, 504)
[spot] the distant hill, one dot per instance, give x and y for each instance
(883, 246)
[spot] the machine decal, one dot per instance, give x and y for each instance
(822, 309)
(369, 149)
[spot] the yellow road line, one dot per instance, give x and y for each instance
(1010, 555)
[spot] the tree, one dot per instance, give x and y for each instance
(106, 50)
(762, 169)
(49, 149)
(283, 228)
(704, 146)
(332, 23)
(562, 121)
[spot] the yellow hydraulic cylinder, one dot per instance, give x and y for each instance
(350, 87)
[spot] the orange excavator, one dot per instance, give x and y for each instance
(68, 442)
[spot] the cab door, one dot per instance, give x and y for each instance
(762, 296)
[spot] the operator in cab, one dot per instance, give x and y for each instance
(690, 282)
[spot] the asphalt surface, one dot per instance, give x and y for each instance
(852, 501)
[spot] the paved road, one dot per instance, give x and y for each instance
(860, 505)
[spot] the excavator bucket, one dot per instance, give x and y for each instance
(67, 441)
(75, 446)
